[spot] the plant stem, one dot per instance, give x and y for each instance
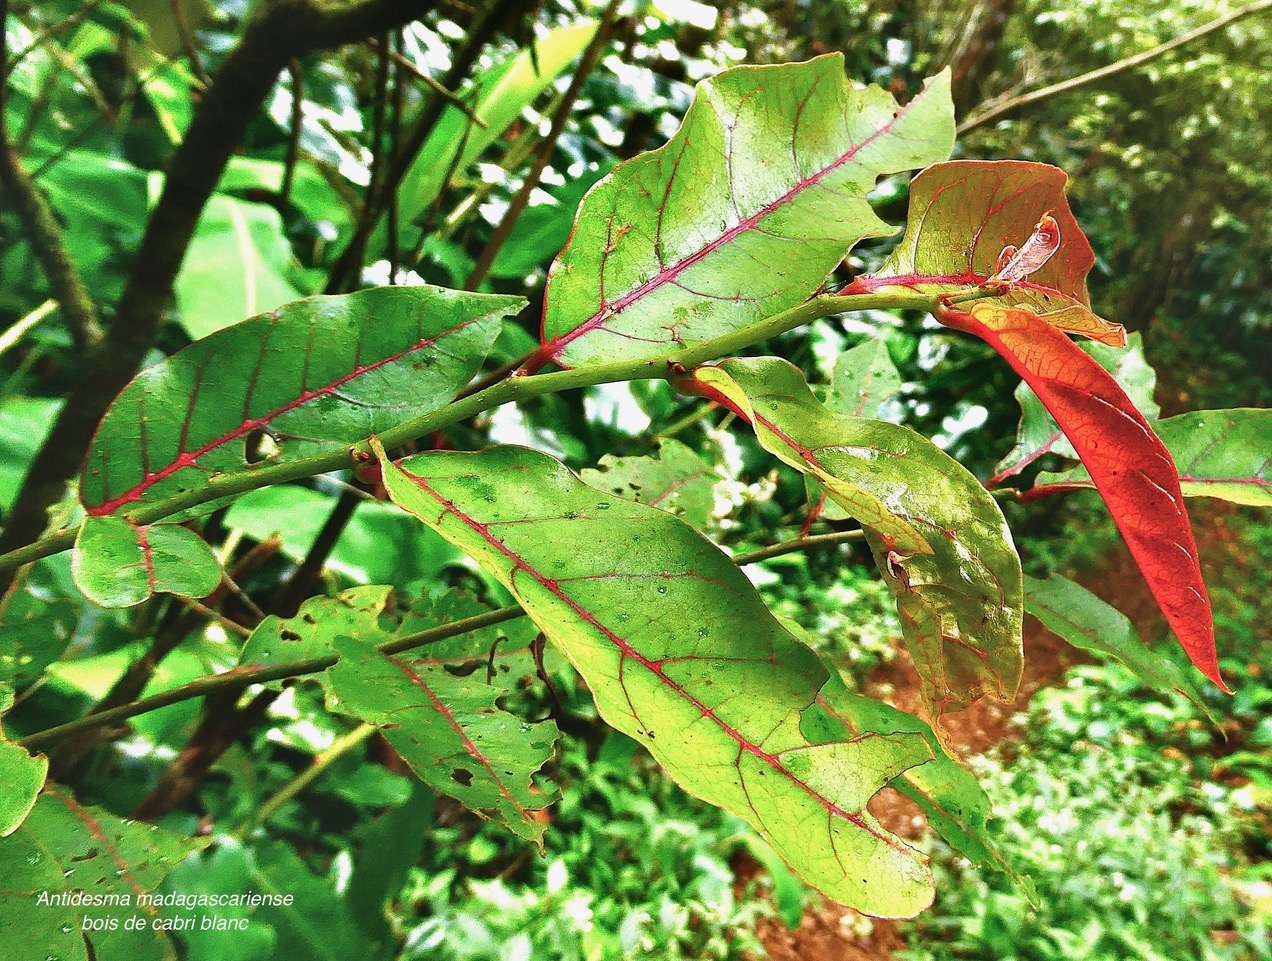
(999, 110)
(241, 678)
(15, 333)
(322, 761)
(514, 389)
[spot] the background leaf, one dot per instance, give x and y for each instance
(316, 375)
(681, 654)
(938, 537)
(864, 377)
(118, 564)
(1132, 469)
(21, 775)
(677, 481)
(1039, 433)
(239, 264)
(64, 847)
(1085, 621)
(498, 97)
(722, 227)
(1219, 453)
(963, 213)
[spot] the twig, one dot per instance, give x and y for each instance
(16, 332)
(454, 99)
(995, 112)
(544, 154)
(285, 29)
(187, 43)
(241, 678)
(297, 126)
(42, 228)
(322, 761)
(296, 588)
(60, 25)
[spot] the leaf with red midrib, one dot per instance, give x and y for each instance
(1129, 464)
(965, 212)
(681, 654)
(315, 375)
(743, 214)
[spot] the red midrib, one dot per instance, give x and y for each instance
(668, 274)
(655, 667)
(190, 458)
(445, 711)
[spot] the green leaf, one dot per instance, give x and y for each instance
(949, 796)
(677, 480)
(316, 375)
(755, 200)
(36, 623)
(314, 924)
(680, 653)
(1039, 433)
(24, 423)
(238, 265)
(435, 705)
(378, 543)
(21, 775)
(864, 377)
(310, 191)
(544, 229)
(937, 535)
(1219, 453)
(1082, 619)
(118, 563)
(962, 216)
(497, 98)
(65, 847)
(449, 731)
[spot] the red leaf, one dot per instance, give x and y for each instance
(963, 213)
(1129, 464)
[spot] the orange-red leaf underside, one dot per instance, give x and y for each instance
(1128, 463)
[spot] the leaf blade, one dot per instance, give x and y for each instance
(721, 208)
(938, 537)
(964, 212)
(194, 414)
(658, 655)
(1130, 466)
(1220, 453)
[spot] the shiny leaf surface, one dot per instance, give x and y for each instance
(1130, 466)
(681, 654)
(315, 375)
(743, 214)
(117, 563)
(937, 535)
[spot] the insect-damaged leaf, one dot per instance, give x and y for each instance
(1131, 468)
(1220, 453)
(743, 214)
(64, 847)
(681, 654)
(436, 704)
(313, 376)
(677, 480)
(949, 795)
(118, 563)
(963, 213)
(938, 537)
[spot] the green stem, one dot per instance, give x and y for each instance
(515, 389)
(246, 677)
(322, 761)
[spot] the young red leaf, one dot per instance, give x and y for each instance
(1129, 464)
(966, 219)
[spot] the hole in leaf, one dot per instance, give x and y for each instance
(462, 776)
(261, 446)
(288, 635)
